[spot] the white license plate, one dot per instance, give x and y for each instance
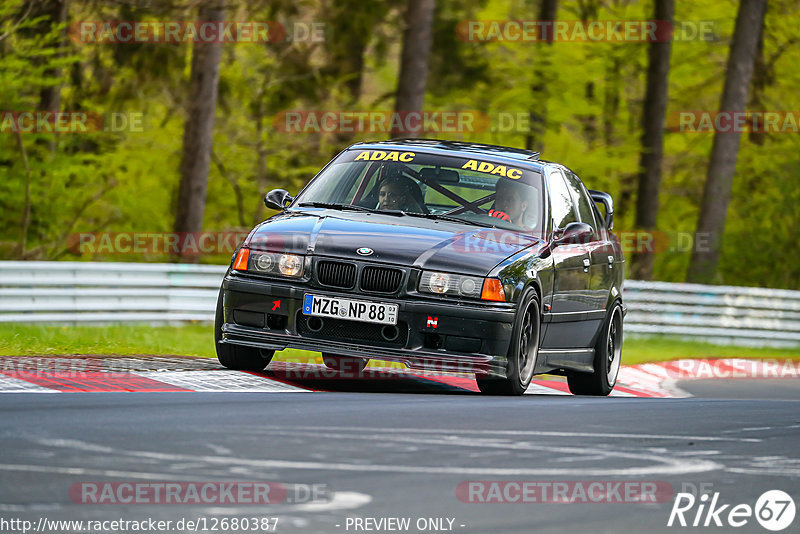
(351, 310)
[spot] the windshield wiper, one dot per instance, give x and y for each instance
(441, 217)
(397, 213)
(333, 206)
(354, 207)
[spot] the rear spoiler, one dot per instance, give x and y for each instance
(606, 200)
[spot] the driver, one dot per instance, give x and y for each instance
(399, 192)
(510, 202)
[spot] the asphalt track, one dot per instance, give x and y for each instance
(391, 454)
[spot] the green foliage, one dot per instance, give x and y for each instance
(197, 340)
(126, 181)
(186, 340)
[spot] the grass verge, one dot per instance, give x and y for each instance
(198, 340)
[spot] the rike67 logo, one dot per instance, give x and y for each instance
(774, 510)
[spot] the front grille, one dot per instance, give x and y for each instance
(381, 279)
(336, 274)
(341, 330)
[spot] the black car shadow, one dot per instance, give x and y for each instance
(317, 377)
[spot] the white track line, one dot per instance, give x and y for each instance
(220, 381)
(658, 464)
(452, 431)
(9, 384)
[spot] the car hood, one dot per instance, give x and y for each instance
(424, 243)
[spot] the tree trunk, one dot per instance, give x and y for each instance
(760, 78)
(417, 42)
(52, 13)
(725, 149)
(261, 155)
(611, 100)
(589, 120)
(351, 23)
(539, 89)
(199, 127)
(652, 153)
(26, 207)
(588, 11)
(56, 12)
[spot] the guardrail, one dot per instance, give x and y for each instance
(80, 292)
(749, 316)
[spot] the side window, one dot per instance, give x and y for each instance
(583, 201)
(598, 216)
(561, 203)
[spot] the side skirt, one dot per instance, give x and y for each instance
(573, 359)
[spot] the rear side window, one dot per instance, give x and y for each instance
(582, 199)
(561, 202)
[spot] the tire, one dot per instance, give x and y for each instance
(522, 353)
(344, 364)
(237, 357)
(607, 357)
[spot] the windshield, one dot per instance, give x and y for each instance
(475, 191)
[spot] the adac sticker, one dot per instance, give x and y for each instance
(490, 168)
(380, 155)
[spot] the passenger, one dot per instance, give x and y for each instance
(510, 202)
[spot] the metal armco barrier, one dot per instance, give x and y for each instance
(81, 292)
(749, 316)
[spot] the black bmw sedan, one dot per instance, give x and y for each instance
(441, 255)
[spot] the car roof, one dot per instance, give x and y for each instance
(527, 158)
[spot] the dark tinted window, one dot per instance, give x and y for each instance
(561, 201)
(599, 216)
(488, 193)
(582, 199)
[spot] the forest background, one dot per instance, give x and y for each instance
(193, 136)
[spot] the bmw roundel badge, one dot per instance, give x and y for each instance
(365, 251)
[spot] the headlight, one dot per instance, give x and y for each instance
(270, 263)
(290, 265)
(454, 285)
(438, 282)
(263, 263)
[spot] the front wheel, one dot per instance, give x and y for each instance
(236, 357)
(522, 354)
(607, 356)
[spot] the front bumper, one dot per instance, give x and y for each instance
(470, 338)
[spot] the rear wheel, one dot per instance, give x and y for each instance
(344, 364)
(607, 356)
(522, 354)
(234, 356)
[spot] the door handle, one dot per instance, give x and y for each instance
(611, 262)
(586, 264)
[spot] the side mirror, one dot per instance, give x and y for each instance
(574, 233)
(607, 202)
(277, 199)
